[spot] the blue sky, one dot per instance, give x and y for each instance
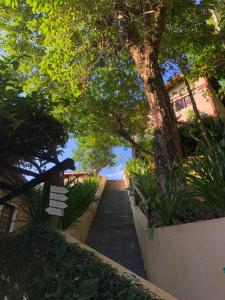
(116, 172)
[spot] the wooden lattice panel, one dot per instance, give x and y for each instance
(6, 215)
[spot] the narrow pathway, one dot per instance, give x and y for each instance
(112, 232)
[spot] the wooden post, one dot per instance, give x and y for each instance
(56, 179)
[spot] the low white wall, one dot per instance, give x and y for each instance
(185, 260)
(79, 229)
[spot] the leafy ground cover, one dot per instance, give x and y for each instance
(39, 264)
(80, 196)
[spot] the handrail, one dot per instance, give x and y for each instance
(138, 191)
(143, 204)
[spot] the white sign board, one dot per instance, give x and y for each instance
(58, 189)
(59, 197)
(54, 211)
(57, 204)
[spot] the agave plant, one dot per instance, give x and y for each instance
(208, 176)
(35, 205)
(80, 196)
(176, 205)
(144, 180)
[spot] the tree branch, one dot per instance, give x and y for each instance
(121, 13)
(123, 132)
(47, 157)
(34, 164)
(160, 13)
(136, 146)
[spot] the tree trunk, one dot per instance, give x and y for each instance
(167, 146)
(196, 112)
(144, 48)
(213, 81)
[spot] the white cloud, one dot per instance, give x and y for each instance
(114, 172)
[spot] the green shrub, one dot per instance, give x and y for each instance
(80, 196)
(174, 206)
(208, 176)
(35, 204)
(192, 193)
(191, 134)
(38, 264)
(143, 178)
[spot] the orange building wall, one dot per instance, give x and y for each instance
(201, 94)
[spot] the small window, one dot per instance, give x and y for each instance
(187, 101)
(179, 104)
(182, 103)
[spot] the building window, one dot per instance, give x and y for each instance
(182, 103)
(187, 101)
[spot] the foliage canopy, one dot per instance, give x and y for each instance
(28, 131)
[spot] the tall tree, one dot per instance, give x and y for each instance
(94, 153)
(90, 32)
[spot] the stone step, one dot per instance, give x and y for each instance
(112, 232)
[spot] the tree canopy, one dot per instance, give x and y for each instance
(192, 41)
(114, 105)
(94, 153)
(98, 61)
(29, 136)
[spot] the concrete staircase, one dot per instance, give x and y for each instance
(112, 232)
